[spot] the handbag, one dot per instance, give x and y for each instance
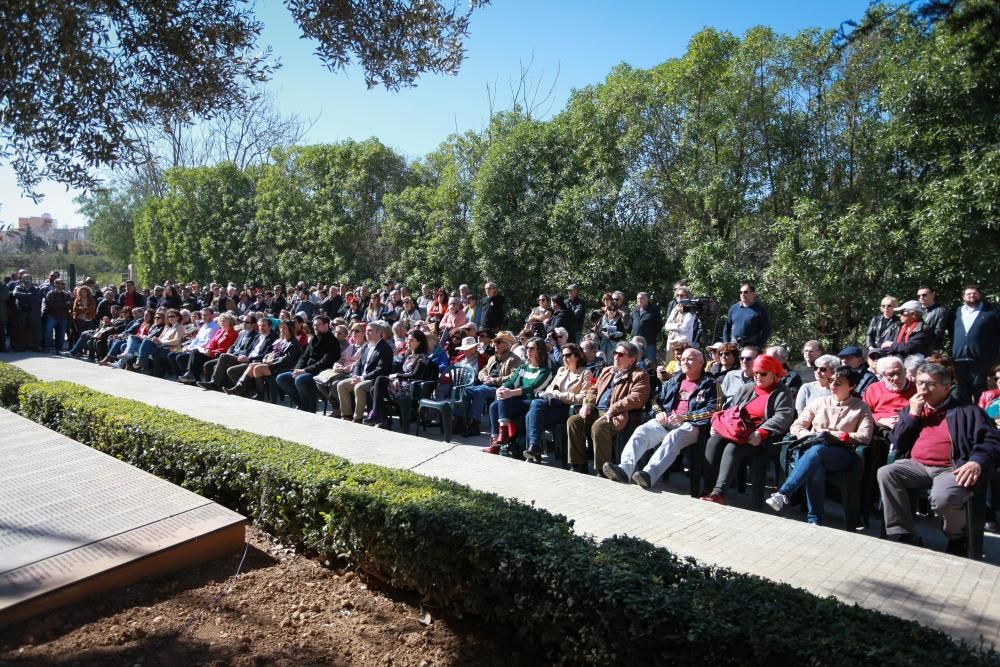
(733, 425)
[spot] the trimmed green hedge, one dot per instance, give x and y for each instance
(11, 379)
(563, 596)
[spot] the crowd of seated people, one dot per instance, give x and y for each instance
(625, 390)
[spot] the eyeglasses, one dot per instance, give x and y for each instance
(728, 353)
(746, 358)
(619, 353)
(824, 369)
(745, 291)
(158, 317)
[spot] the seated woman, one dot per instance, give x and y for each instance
(157, 349)
(285, 352)
(825, 366)
(846, 422)
(415, 367)
(375, 311)
(551, 406)
(118, 344)
(136, 340)
(675, 350)
(766, 411)
(728, 360)
(410, 314)
(515, 395)
(218, 344)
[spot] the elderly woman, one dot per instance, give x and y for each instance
(410, 314)
(514, 396)
(810, 391)
(220, 342)
(728, 360)
(765, 411)
(454, 318)
(681, 320)
(551, 406)
(285, 352)
(883, 326)
(843, 421)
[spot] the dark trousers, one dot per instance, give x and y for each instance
(970, 376)
(723, 459)
(300, 388)
(178, 362)
(196, 361)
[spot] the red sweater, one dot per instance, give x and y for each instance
(221, 341)
(884, 403)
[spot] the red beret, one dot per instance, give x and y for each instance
(769, 364)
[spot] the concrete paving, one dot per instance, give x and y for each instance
(956, 595)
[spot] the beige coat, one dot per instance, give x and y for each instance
(826, 413)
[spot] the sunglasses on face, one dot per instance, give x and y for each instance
(746, 358)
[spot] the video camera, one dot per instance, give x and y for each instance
(704, 307)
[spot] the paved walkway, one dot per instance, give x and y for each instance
(959, 596)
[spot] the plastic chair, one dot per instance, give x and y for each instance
(461, 377)
(849, 484)
(406, 403)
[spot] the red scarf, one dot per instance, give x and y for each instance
(904, 332)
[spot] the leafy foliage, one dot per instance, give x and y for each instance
(564, 596)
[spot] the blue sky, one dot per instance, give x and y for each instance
(581, 40)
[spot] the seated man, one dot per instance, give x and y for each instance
(592, 358)
(241, 348)
(735, 379)
(891, 394)
(682, 410)
(949, 448)
(498, 370)
(178, 361)
(853, 356)
(327, 380)
(374, 360)
(621, 390)
(792, 380)
(230, 367)
(320, 354)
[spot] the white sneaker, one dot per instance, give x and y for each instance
(777, 501)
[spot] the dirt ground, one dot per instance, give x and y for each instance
(282, 610)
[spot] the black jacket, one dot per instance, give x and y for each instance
(268, 342)
(320, 354)
(563, 318)
(705, 397)
(378, 362)
(491, 311)
(973, 435)
(243, 343)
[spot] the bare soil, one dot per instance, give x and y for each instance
(283, 609)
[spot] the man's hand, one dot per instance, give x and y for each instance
(886, 344)
(355, 380)
(755, 439)
(243, 358)
(297, 372)
(917, 403)
(584, 411)
(968, 474)
(663, 419)
(675, 420)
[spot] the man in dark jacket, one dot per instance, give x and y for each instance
(975, 343)
(491, 309)
(935, 316)
(57, 303)
(913, 335)
(562, 318)
(374, 360)
(320, 354)
(949, 446)
(28, 301)
(680, 413)
(239, 349)
(579, 307)
(646, 322)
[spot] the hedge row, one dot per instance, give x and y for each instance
(564, 597)
(11, 379)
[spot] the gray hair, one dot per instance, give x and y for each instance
(828, 361)
(937, 370)
(883, 364)
(561, 332)
(779, 352)
(630, 348)
(639, 342)
(914, 361)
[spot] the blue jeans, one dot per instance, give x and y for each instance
(540, 415)
(57, 325)
(475, 399)
(651, 352)
(301, 388)
(510, 409)
(117, 347)
(811, 468)
(149, 351)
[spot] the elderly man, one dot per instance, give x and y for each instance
(792, 381)
(578, 307)
(498, 370)
(935, 317)
(975, 343)
(734, 380)
(646, 322)
(913, 337)
(747, 322)
(621, 390)
(374, 360)
(854, 357)
(591, 357)
(682, 410)
(811, 351)
(891, 394)
(215, 369)
(949, 447)
(491, 309)
(178, 361)
(350, 347)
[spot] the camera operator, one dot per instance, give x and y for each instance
(682, 319)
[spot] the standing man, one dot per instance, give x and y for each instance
(747, 322)
(491, 309)
(975, 343)
(935, 316)
(811, 351)
(577, 305)
(646, 322)
(28, 303)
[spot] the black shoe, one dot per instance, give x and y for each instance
(641, 477)
(237, 390)
(533, 455)
(908, 538)
(206, 385)
(614, 473)
(187, 379)
(957, 546)
(471, 429)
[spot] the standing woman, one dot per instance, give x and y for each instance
(885, 325)
(610, 330)
(283, 356)
(83, 313)
(515, 395)
(551, 406)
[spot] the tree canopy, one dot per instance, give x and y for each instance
(79, 78)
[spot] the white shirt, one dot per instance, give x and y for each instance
(969, 316)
